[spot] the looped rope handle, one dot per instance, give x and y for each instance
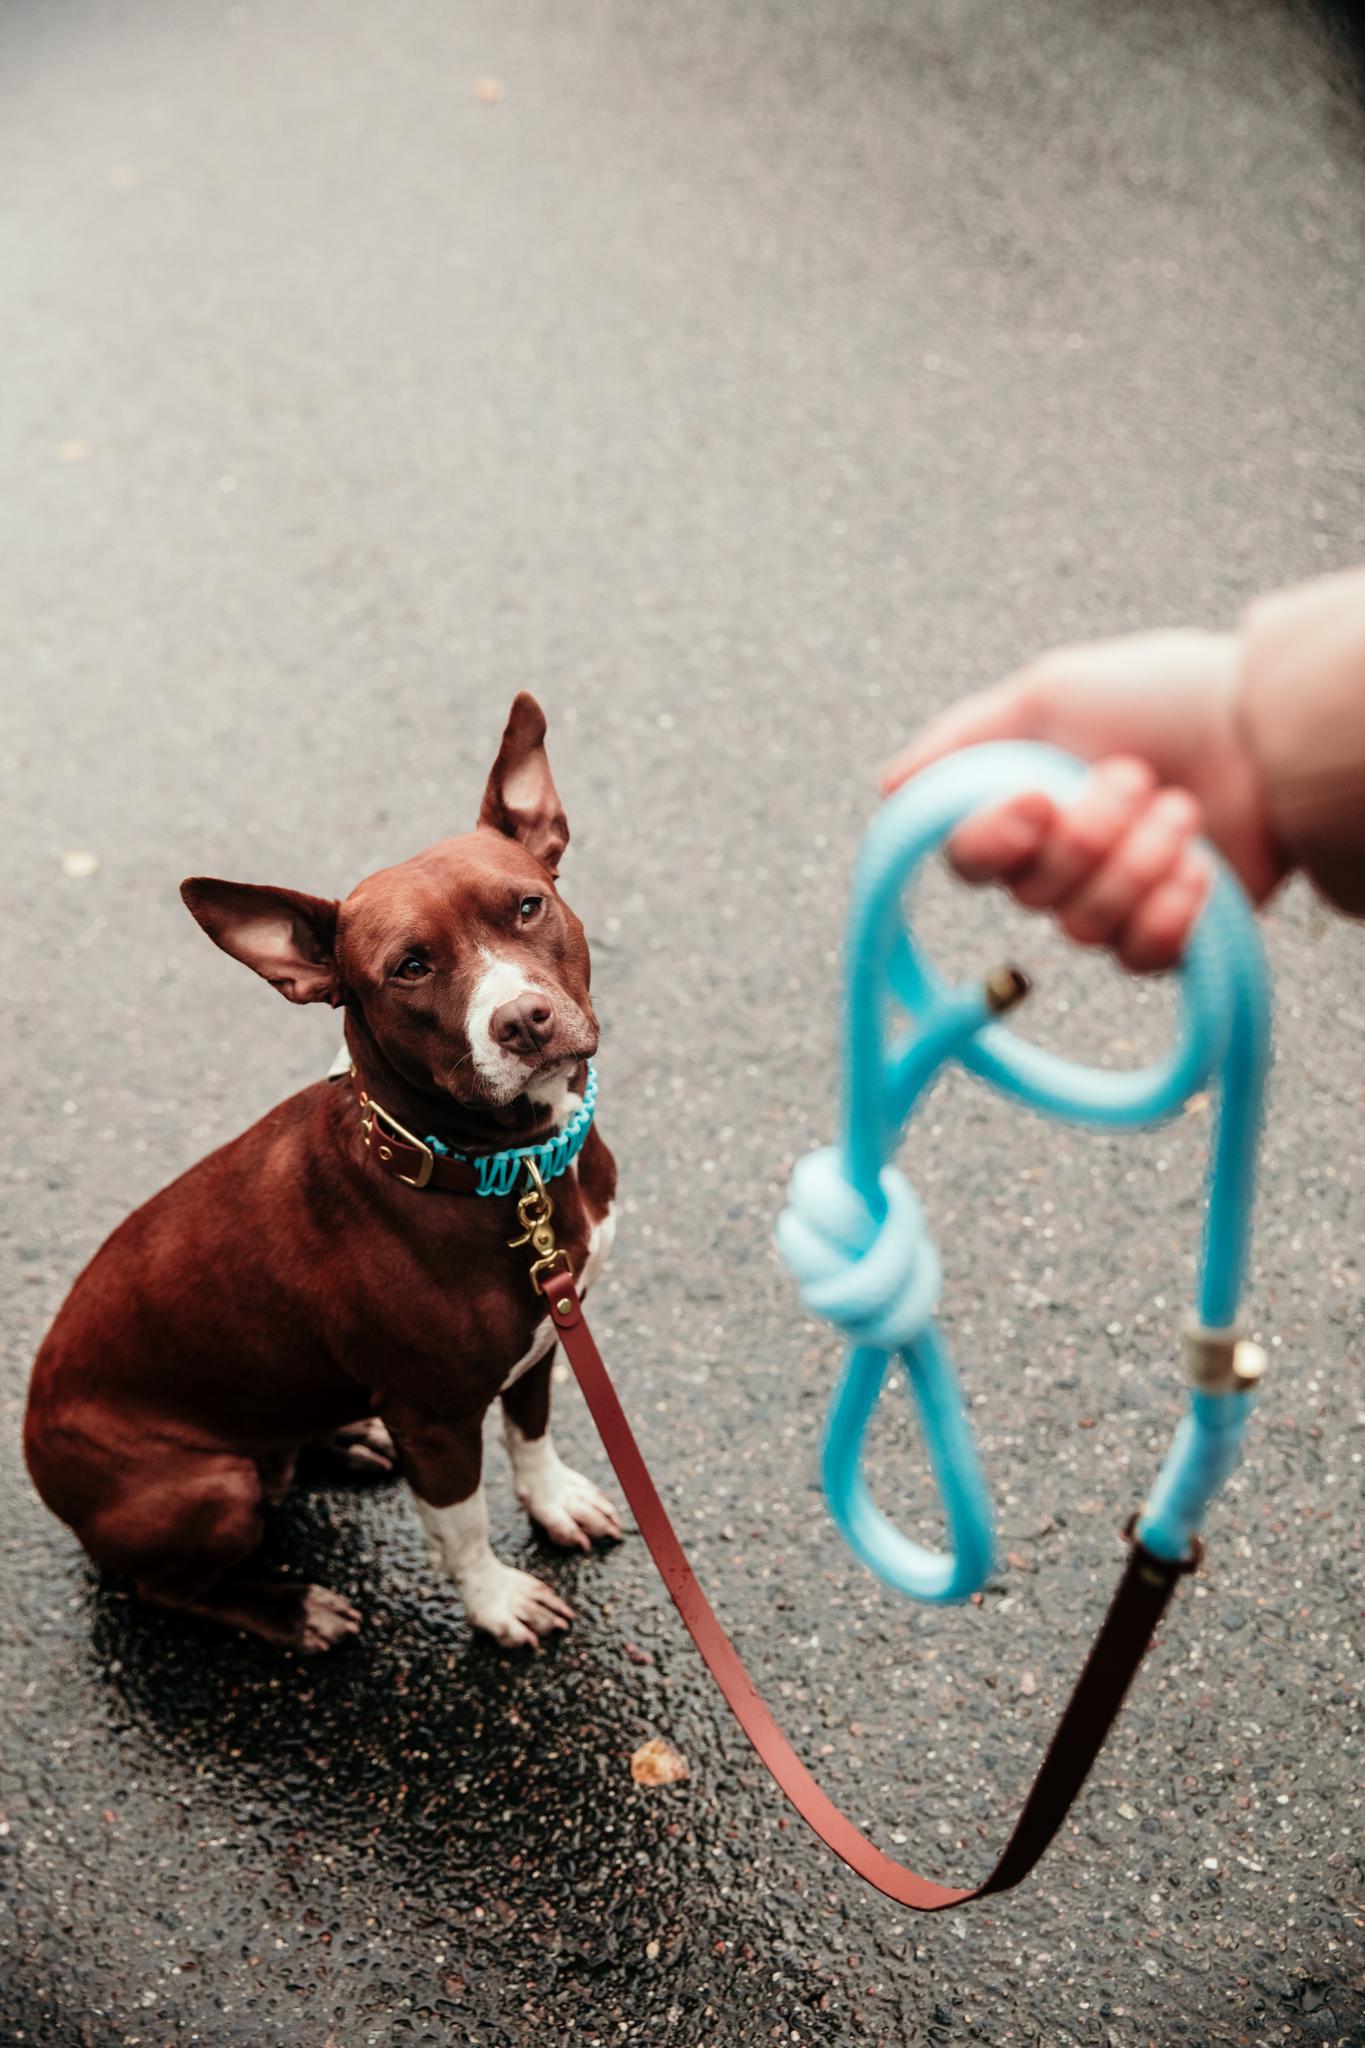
(858, 1247)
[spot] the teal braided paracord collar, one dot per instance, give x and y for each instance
(499, 1172)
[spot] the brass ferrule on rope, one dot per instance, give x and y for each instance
(1221, 1361)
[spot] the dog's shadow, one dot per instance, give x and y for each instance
(418, 1745)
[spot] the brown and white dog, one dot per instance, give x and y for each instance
(288, 1291)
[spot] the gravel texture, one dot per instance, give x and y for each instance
(749, 380)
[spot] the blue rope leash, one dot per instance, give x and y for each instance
(854, 1236)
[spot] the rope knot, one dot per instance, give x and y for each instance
(876, 1279)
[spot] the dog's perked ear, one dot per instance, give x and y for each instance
(285, 936)
(521, 799)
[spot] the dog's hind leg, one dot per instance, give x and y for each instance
(568, 1507)
(359, 1450)
(277, 1475)
(183, 1535)
(284, 1612)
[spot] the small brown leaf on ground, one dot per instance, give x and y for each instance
(488, 91)
(655, 1763)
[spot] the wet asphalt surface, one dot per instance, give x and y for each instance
(748, 381)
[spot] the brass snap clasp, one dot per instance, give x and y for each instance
(534, 1210)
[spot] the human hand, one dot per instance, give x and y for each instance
(1118, 865)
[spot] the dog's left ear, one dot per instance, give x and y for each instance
(287, 938)
(521, 799)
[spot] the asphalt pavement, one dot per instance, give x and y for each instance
(748, 381)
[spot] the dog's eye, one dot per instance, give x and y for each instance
(529, 906)
(411, 967)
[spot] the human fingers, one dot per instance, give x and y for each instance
(1156, 935)
(1145, 857)
(1085, 833)
(991, 845)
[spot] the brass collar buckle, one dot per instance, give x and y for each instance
(369, 1111)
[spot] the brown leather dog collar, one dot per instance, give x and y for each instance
(421, 1163)
(397, 1152)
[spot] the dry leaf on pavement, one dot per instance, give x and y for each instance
(656, 1764)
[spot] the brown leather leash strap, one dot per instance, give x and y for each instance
(1134, 1612)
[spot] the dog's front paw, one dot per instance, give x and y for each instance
(569, 1508)
(513, 1608)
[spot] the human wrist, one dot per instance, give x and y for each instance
(1301, 706)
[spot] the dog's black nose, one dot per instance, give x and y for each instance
(524, 1024)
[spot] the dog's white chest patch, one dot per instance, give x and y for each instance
(600, 1242)
(540, 1344)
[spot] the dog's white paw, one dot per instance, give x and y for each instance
(513, 1608)
(568, 1507)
